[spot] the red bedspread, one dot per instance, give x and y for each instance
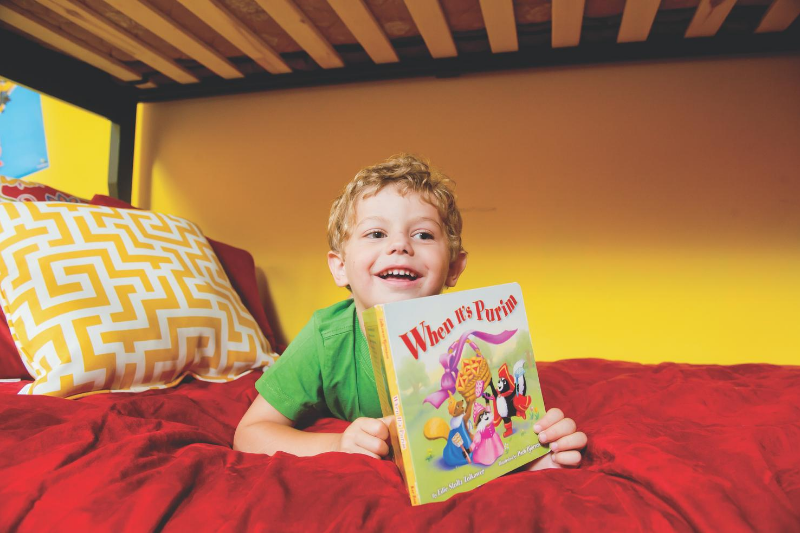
(672, 447)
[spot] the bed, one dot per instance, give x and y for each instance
(672, 447)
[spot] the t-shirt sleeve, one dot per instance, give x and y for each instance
(293, 384)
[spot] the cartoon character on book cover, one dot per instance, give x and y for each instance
(471, 379)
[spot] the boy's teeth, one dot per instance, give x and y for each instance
(399, 273)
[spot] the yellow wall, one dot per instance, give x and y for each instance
(651, 212)
(78, 144)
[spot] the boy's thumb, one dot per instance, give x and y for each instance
(388, 420)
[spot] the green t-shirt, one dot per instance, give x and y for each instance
(327, 368)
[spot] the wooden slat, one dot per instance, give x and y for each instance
(567, 19)
(637, 19)
(165, 28)
(430, 21)
(501, 26)
(779, 16)
(66, 43)
(708, 19)
(303, 31)
(213, 13)
(114, 35)
(362, 24)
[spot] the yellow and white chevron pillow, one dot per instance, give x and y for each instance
(105, 299)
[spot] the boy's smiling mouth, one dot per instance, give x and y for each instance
(404, 274)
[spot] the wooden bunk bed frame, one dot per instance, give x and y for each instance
(118, 53)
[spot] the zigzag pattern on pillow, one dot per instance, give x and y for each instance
(105, 299)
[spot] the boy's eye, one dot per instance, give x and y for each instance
(376, 234)
(423, 235)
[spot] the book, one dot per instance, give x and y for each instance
(457, 372)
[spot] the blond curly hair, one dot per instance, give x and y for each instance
(409, 174)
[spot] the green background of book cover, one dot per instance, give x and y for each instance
(417, 378)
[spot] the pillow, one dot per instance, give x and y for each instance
(17, 190)
(238, 265)
(105, 299)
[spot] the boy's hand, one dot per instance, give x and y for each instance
(565, 442)
(367, 436)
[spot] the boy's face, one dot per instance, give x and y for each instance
(397, 250)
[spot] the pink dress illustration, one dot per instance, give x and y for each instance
(487, 446)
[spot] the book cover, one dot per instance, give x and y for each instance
(457, 371)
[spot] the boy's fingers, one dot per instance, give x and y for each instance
(388, 421)
(550, 417)
(373, 426)
(381, 429)
(569, 458)
(367, 452)
(574, 441)
(561, 428)
(372, 446)
(349, 444)
(383, 449)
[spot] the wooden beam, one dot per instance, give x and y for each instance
(501, 26)
(44, 69)
(303, 31)
(430, 21)
(708, 18)
(165, 28)
(779, 16)
(87, 19)
(53, 36)
(637, 19)
(567, 20)
(605, 52)
(214, 13)
(362, 24)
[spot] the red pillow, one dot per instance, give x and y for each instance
(17, 190)
(11, 366)
(238, 265)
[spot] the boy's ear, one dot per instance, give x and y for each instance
(456, 268)
(336, 264)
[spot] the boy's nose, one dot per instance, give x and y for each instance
(400, 244)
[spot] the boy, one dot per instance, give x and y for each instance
(394, 234)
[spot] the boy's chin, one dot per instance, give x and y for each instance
(398, 297)
(399, 293)
(387, 293)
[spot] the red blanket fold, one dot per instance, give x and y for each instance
(672, 447)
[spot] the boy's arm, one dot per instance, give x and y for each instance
(263, 429)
